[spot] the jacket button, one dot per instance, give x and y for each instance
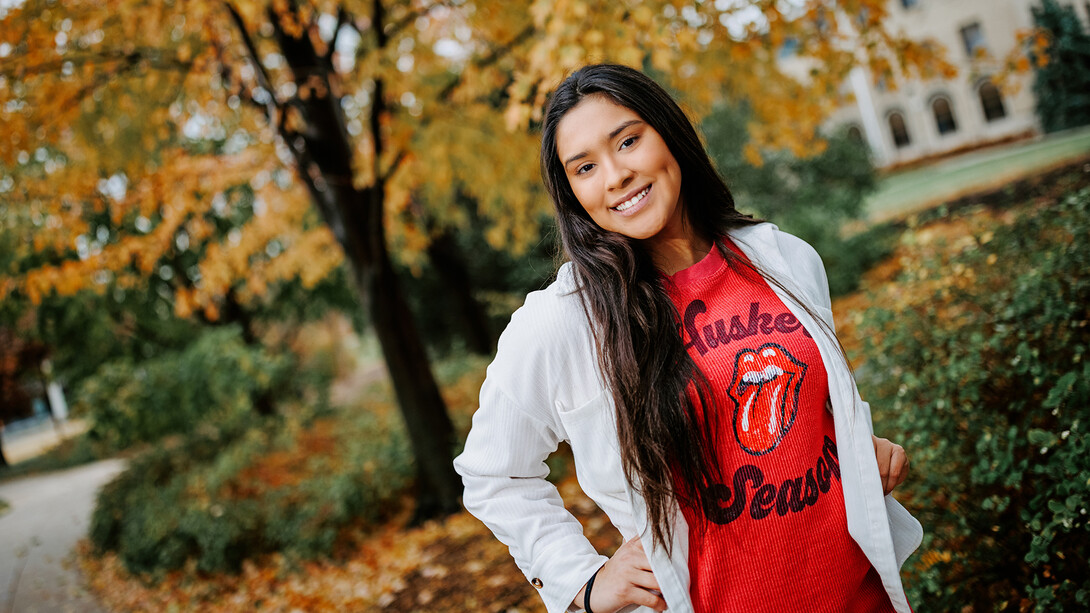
(536, 583)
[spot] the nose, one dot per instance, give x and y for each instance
(619, 175)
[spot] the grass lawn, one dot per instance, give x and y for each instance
(916, 189)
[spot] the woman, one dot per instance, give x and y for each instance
(686, 354)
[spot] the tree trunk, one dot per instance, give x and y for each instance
(431, 432)
(449, 263)
(323, 151)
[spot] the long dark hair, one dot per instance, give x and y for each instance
(668, 444)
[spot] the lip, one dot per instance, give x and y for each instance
(635, 207)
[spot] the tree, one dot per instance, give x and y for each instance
(1062, 87)
(342, 117)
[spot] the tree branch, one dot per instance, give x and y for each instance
(342, 20)
(401, 155)
(404, 22)
(132, 58)
(496, 55)
(378, 107)
(378, 16)
(272, 106)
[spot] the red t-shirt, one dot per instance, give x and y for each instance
(777, 538)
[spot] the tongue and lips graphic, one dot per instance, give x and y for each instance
(765, 391)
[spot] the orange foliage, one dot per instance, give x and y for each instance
(125, 126)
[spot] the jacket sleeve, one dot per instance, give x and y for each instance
(503, 465)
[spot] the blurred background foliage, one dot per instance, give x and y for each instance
(813, 197)
(173, 238)
(215, 379)
(237, 490)
(1062, 79)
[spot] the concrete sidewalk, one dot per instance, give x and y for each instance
(49, 514)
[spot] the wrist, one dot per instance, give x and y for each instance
(587, 590)
(576, 605)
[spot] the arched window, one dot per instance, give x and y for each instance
(944, 115)
(855, 133)
(898, 129)
(991, 101)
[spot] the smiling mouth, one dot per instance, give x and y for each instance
(631, 202)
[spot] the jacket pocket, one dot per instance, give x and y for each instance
(592, 433)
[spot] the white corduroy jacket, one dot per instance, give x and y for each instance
(545, 386)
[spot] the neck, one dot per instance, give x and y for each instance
(673, 254)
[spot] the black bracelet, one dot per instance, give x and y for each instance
(586, 592)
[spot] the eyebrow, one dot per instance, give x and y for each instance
(612, 135)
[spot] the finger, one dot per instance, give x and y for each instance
(882, 455)
(647, 599)
(897, 469)
(645, 579)
(898, 465)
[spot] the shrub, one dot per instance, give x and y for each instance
(225, 493)
(216, 378)
(984, 376)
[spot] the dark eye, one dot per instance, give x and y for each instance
(628, 142)
(584, 168)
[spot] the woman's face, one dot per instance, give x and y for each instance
(621, 170)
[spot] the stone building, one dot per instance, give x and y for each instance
(927, 118)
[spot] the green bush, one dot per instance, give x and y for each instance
(985, 379)
(216, 378)
(225, 493)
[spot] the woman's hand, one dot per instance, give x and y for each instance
(892, 463)
(626, 579)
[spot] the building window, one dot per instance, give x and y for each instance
(973, 37)
(909, 3)
(855, 133)
(898, 129)
(991, 101)
(944, 115)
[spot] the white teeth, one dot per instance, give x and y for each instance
(769, 373)
(633, 200)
